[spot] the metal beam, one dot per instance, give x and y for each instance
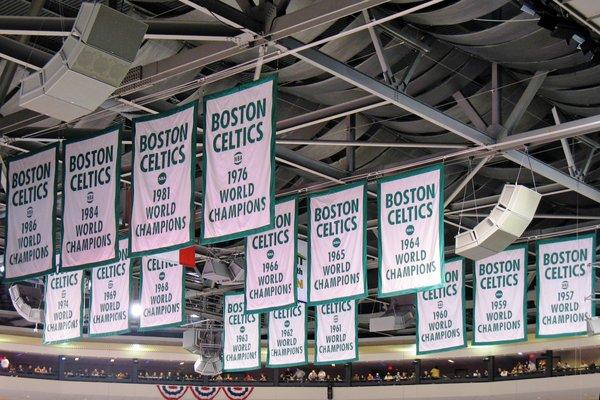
(523, 103)
(373, 86)
(565, 146)
(466, 106)
(351, 137)
(466, 180)
(354, 143)
(157, 29)
(21, 53)
(388, 76)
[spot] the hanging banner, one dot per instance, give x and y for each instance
(500, 286)
(288, 345)
(110, 295)
(337, 244)
(411, 231)
(271, 261)
(163, 181)
(336, 338)
(241, 335)
(162, 296)
(565, 281)
(63, 313)
(30, 214)
(441, 312)
(302, 271)
(238, 166)
(90, 217)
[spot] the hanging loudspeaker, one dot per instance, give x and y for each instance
(505, 224)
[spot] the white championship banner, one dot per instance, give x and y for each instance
(241, 335)
(164, 178)
(91, 190)
(110, 295)
(411, 231)
(302, 271)
(337, 247)
(288, 344)
(565, 281)
(271, 262)
(63, 313)
(238, 166)
(500, 286)
(162, 296)
(441, 312)
(30, 214)
(336, 339)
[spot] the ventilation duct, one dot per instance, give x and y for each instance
(206, 342)
(88, 68)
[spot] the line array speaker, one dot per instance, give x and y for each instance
(88, 68)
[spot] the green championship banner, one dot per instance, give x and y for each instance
(336, 337)
(566, 281)
(162, 294)
(110, 295)
(90, 211)
(441, 312)
(337, 244)
(63, 313)
(271, 262)
(302, 271)
(411, 231)
(288, 344)
(238, 166)
(163, 181)
(500, 286)
(30, 214)
(241, 335)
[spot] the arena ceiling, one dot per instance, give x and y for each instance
(500, 91)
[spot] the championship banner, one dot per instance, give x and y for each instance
(500, 286)
(336, 338)
(241, 335)
(271, 262)
(337, 244)
(565, 281)
(238, 166)
(162, 295)
(30, 214)
(411, 231)
(441, 312)
(90, 211)
(110, 295)
(302, 271)
(64, 307)
(288, 345)
(163, 181)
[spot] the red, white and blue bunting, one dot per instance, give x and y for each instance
(204, 392)
(172, 392)
(238, 393)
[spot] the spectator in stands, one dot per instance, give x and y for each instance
(298, 375)
(249, 377)
(388, 377)
(435, 372)
(370, 376)
(531, 366)
(426, 375)
(355, 377)
(312, 376)
(263, 377)
(228, 377)
(476, 374)
(322, 375)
